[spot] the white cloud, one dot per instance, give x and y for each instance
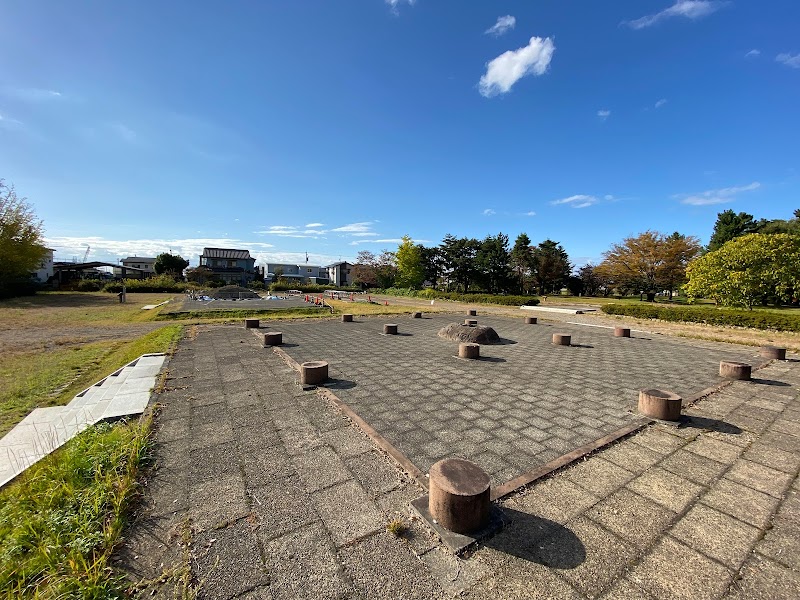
(394, 4)
(503, 24)
(790, 60)
(608, 197)
(577, 201)
(314, 225)
(604, 114)
(8, 122)
(363, 227)
(124, 132)
(489, 212)
(387, 241)
(753, 53)
(32, 94)
(511, 66)
(290, 231)
(364, 234)
(661, 103)
(718, 196)
(530, 213)
(690, 9)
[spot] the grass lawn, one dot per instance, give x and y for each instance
(60, 521)
(599, 300)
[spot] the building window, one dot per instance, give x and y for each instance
(309, 270)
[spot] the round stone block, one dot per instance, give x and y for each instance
(417, 315)
(251, 323)
(467, 350)
(273, 338)
(313, 372)
(622, 332)
(659, 404)
(734, 370)
(531, 320)
(773, 352)
(472, 312)
(390, 329)
(471, 322)
(459, 495)
(347, 318)
(562, 339)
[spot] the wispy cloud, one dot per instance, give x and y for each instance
(690, 9)
(124, 132)
(32, 94)
(291, 231)
(718, 196)
(530, 213)
(790, 60)
(488, 212)
(511, 66)
(395, 3)
(577, 201)
(314, 225)
(503, 24)
(753, 53)
(9, 123)
(387, 241)
(604, 114)
(362, 227)
(660, 103)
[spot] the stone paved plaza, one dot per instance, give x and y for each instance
(262, 490)
(523, 404)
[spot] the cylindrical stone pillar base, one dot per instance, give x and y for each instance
(273, 338)
(347, 318)
(417, 315)
(531, 320)
(562, 339)
(734, 370)
(471, 322)
(251, 323)
(459, 495)
(467, 350)
(472, 312)
(659, 404)
(622, 332)
(390, 329)
(773, 352)
(314, 372)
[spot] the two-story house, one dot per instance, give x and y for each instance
(300, 273)
(339, 274)
(45, 270)
(144, 267)
(234, 267)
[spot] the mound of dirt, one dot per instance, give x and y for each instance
(458, 332)
(231, 292)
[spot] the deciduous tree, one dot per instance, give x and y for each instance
(747, 270)
(410, 270)
(21, 249)
(171, 264)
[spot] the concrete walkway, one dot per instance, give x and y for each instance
(265, 491)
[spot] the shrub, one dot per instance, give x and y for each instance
(256, 285)
(458, 297)
(88, 285)
(308, 288)
(160, 283)
(754, 319)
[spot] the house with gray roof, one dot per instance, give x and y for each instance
(233, 266)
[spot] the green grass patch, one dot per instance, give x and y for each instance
(52, 378)
(478, 298)
(60, 521)
(778, 320)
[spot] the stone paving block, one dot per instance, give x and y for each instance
(557, 499)
(606, 556)
(633, 457)
(698, 468)
(373, 472)
(775, 458)
(658, 440)
(264, 466)
(513, 582)
(761, 478)
(716, 535)
(763, 578)
(600, 477)
(303, 564)
(348, 512)
(632, 517)
(347, 441)
(782, 441)
(453, 574)
(212, 462)
(623, 589)
(280, 507)
(218, 502)
(673, 570)
(782, 541)
(391, 577)
(714, 449)
(668, 489)
(211, 434)
(744, 503)
(320, 467)
(231, 564)
(172, 429)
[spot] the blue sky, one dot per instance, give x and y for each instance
(330, 127)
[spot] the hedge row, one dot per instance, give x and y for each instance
(458, 297)
(308, 288)
(754, 319)
(158, 284)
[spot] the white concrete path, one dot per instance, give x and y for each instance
(125, 392)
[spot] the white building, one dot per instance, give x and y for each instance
(45, 270)
(147, 266)
(339, 274)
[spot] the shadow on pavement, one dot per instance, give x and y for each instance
(770, 382)
(339, 384)
(709, 424)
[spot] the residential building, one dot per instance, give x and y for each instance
(234, 267)
(45, 270)
(145, 267)
(339, 274)
(300, 273)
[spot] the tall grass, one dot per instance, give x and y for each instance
(60, 521)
